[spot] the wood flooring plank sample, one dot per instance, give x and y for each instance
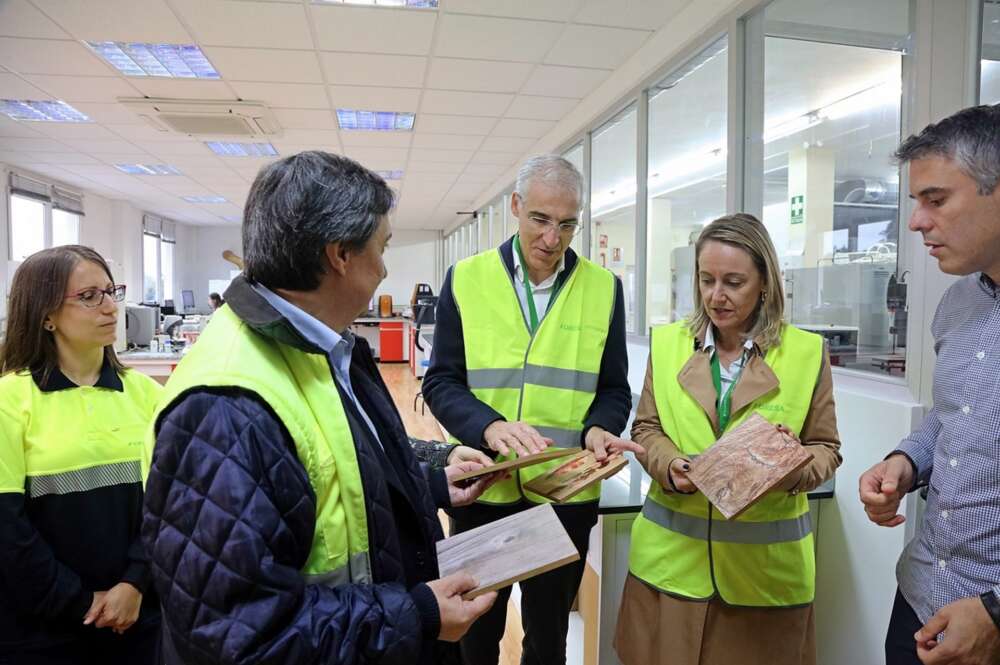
(745, 464)
(511, 549)
(574, 475)
(518, 462)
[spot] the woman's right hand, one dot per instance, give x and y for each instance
(679, 480)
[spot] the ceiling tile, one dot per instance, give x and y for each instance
(304, 119)
(594, 46)
(435, 155)
(113, 158)
(64, 158)
(72, 130)
(475, 178)
(465, 191)
(13, 86)
(481, 75)
(118, 20)
(371, 30)
(19, 19)
(98, 147)
(169, 149)
(402, 71)
(307, 136)
(23, 144)
(540, 108)
(144, 132)
(379, 159)
(183, 89)
(487, 161)
(489, 38)
(291, 95)
(446, 141)
(108, 113)
(375, 99)
(249, 64)
(101, 89)
(545, 10)
(465, 103)
(376, 139)
(9, 127)
(420, 167)
(523, 128)
(454, 124)
(641, 14)
(29, 56)
(558, 81)
(507, 144)
(260, 25)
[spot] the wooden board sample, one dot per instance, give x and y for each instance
(511, 549)
(574, 475)
(745, 464)
(518, 462)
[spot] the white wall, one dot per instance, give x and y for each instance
(202, 259)
(412, 257)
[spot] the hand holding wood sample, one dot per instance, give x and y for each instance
(511, 549)
(574, 475)
(517, 463)
(745, 464)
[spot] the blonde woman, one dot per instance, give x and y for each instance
(702, 590)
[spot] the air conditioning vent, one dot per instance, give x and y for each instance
(206, 118)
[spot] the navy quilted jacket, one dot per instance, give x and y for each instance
(229, 519)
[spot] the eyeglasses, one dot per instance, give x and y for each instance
(91, 298)
(565, 229)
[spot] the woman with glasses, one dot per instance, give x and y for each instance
(74, 580)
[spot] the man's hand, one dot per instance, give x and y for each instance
(883, 486)
(520, 438)
(118, 608)
(457, 614)
(971, 637)
(603, 443)
(469, 490)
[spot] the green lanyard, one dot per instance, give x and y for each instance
(532, 312)
(722, 402)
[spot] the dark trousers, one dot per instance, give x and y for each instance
(900, 647)
(139, 645)
(545, 599)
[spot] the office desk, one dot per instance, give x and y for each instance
(158, 365)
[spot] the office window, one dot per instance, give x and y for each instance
(65, 228)
(989, 81)
(832, 91)
(686, 179)
(167, 268)
(575, 157)
(150, 268)
(27, 227)
(612, 203)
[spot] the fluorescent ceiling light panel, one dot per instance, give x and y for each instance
(390, 175)
(44, 111)
(408, 4)
(375, 121)
(205, 199)
(148, 169)
(164, 60)
(224, 149)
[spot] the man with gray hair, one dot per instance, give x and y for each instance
(529, 351)
(949, 574)
(286, 517)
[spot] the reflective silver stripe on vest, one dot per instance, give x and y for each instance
(539, 375)
(494, 378)
(746, 533)
(357, 571)
(82, 480)
(563, 438)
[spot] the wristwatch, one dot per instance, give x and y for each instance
(992, 606)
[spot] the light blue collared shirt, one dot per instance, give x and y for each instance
(338, 348)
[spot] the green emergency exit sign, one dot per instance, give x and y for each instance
(798, 207)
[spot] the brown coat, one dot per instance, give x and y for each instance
(654, 627)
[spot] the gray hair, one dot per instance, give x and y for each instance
(970, 137)
(553, 170)
(300, 204)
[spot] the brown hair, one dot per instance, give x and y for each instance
(38, 290)
(747, 233)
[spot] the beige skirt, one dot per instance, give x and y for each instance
(657, 629)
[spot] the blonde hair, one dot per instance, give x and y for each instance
(747, 233)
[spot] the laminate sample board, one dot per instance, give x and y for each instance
(518, 462)
(511, 549)
(574, 475)
(745, 464)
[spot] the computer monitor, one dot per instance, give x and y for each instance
(168, 307)
(140, 324)
(187, 297)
